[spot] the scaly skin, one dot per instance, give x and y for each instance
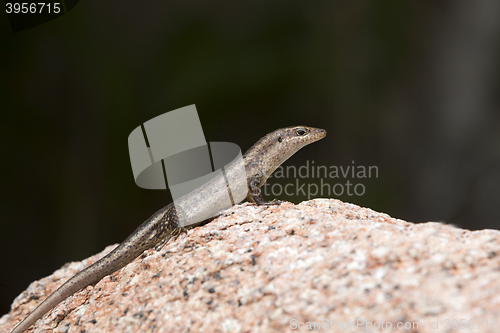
(260, 162)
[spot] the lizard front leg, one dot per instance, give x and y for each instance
(255, 194)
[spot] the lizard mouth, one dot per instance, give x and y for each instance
(318, 134)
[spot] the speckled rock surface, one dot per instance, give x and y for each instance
(286, 268)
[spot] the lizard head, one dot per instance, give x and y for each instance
(278, 146)
(296, 136)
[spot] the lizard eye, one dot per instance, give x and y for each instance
(300, 132)
(280, 139)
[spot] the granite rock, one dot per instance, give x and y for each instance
(321, 264)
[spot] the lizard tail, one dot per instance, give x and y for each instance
(77, 282)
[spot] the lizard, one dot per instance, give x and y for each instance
(260, 161)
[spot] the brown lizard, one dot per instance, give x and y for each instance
(260, 162)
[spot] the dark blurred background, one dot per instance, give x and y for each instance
(408, 86)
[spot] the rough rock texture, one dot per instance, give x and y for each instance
(272, 269)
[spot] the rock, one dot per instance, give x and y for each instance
(280, 268)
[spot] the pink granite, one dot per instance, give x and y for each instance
(287, 268)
